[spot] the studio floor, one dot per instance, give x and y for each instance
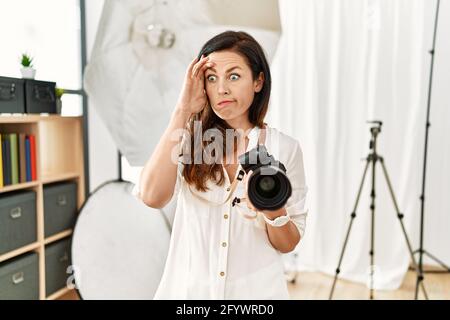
(316, 286)
(312, 285)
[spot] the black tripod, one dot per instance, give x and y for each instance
(421, 251)
(372, 158)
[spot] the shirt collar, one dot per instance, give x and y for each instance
(253, 138)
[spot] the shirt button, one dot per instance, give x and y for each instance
(222, 274)
(225, 216)
(224, 244)
(228, 189)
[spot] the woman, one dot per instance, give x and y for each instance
(221, 249)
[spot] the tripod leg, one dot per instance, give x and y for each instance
(353, 215)
(442, 264)
(400, 218)
(374, 159)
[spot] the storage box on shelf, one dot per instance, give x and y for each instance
(27, 96)
(57, 261)
(19, 278)
(53, 198)
(17, 220)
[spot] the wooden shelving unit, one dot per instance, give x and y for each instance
(59, 293)
(59, 157)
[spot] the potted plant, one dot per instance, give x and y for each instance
(27, 70)
(58, 93)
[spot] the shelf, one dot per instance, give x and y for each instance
(45, 180)
(30, 118)
(18, 252)
(59, 157)
(59, 177)
(59, 293)
(19, 186)
(58, 236)
(60, 147)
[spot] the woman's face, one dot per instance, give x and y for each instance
(230, 79)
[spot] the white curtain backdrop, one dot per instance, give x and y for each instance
(339, 64)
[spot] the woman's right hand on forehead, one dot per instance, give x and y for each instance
(192, 98)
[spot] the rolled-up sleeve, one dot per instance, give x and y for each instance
(296, 205)
(136, 188)
(180, 166)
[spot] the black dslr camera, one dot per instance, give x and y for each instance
(268, 187)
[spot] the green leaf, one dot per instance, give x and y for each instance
(59, 92)
(26, 60)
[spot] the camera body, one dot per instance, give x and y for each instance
(268, 187)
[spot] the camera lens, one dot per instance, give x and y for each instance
(267, 186)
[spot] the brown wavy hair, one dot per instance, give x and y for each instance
(242, 43)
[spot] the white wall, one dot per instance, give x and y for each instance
(103, 154)
(102, 151)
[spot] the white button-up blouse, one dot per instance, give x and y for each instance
(215, 251)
